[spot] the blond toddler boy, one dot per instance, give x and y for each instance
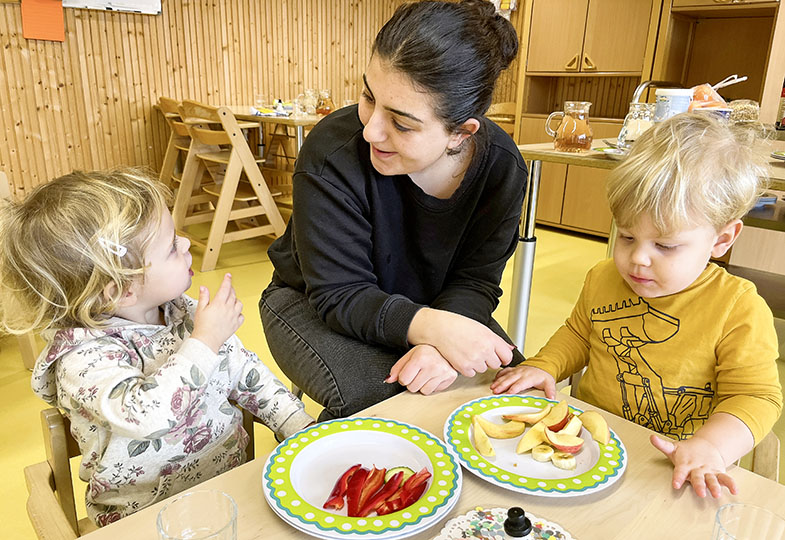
(669, 340)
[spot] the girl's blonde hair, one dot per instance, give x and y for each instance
(689, 170)
(62, 245)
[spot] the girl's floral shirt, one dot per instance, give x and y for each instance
(149, 406)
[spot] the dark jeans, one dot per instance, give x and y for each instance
(341, 373)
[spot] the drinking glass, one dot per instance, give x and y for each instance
(260, 100)
(741, 521)
(199, 515)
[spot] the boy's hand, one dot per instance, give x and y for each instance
(218, 319)
(698, 461)
(516, 379)
(422, 370)
(469, 347)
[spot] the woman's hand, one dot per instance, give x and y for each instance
(517, 379)
(697, 461)
(218, 319)
(422, 370)
(469, 347)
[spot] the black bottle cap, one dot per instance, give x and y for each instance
(517, 524)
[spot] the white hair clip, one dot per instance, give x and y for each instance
(112, 247)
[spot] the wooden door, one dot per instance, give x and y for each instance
(585, 204)
(556, 37)
(616, 34)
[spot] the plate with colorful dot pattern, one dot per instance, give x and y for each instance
(301, 472)
(598, 466)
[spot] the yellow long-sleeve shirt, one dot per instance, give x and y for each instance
(668, 363)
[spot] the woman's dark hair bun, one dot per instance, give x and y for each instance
(503, 29)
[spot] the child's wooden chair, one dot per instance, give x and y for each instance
(238, 191)
(179, 143)
(51, 504)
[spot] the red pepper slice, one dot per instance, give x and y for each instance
(356, 483)
(389, 488)
(372, 484)
(409, 493)
(335, 500)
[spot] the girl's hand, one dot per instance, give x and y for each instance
(698, 461)
(422, 370)
(218, 319)
(520, 378)
(469, 347)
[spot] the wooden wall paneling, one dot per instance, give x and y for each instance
(8, 157)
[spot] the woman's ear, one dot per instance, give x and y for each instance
(128, 299)
(463, 132)
(725, 238)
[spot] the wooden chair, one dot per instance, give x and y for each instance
(51, 505)
(28, 348)
(503, 114)
(765, 457)
(239, 192)
(179, 143)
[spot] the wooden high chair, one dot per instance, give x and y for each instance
(179, 143)
(51, 504)
(238, 191)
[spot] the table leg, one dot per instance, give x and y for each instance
(299, 130)
(611, 240)
(524, 261)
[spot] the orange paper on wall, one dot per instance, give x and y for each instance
(43, 19)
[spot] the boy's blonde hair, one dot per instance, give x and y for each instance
(687, 171)
(62, 245)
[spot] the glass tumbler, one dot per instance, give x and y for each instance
(199, 515)
(741, 521)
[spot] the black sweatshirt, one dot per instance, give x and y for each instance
(370, 250)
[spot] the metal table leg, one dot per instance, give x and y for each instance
(299, 130)
(524, 261)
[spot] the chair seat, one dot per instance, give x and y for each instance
(244, 191)
(221, 157)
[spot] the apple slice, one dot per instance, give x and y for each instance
(529, 418)
(597, 426)
(481, 441)
(535, 436)
(564, 443)
(573, 427)
(558, 417)
(500, 431)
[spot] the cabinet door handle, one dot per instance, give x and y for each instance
(572, 65)
(724, 1)
(588, 64)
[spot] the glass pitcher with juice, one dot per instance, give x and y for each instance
(574, 133)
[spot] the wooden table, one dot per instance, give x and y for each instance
(641, 505)
(524, 256)
(246, 112)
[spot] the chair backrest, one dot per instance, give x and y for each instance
(50, 504)
(204, 123)
(171, 112)
(766, 457)
(5, 187)
(506, 108)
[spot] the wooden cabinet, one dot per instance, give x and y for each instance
(588, 36)
(686, 3)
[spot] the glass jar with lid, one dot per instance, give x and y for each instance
(638, 119)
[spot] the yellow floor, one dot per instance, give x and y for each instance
(560, 264)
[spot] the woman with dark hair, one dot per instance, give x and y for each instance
(406, 210)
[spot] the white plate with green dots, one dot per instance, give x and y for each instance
(598, 466)
(301, 472)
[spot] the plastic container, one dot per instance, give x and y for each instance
(671, 101)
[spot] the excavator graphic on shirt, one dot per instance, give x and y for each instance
(628, 330)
